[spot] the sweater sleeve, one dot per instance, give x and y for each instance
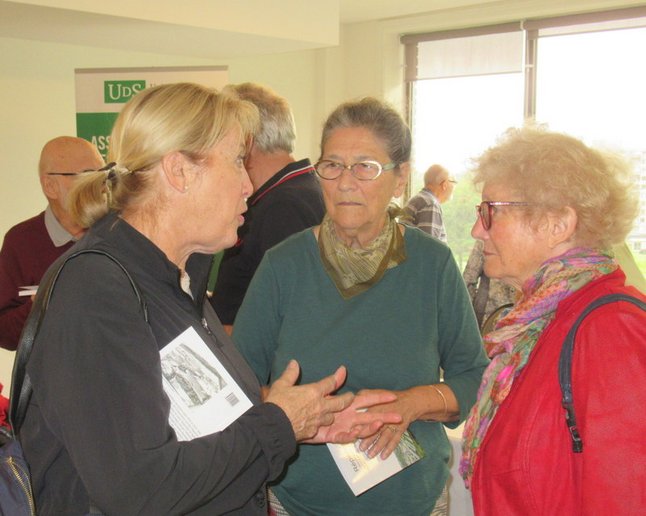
(258, 322)
(97, 379)
(608, 371)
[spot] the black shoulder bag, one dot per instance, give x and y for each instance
(565, 363)
(16, 498)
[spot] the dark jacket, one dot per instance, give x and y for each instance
(97, 426)
(289, 202)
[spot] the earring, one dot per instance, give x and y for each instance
(185, 188)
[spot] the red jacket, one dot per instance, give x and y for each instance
(526, 464)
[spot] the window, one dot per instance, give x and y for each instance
(579, 74)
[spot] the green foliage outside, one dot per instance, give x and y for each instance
(640, 259)
(459, 214)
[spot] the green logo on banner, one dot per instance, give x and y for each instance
(119, 92)
(96, 128)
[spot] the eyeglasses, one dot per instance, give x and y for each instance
(102, 169)
(70, 173)
(485, 210)
(362, 170)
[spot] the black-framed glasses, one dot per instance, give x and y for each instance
(70, 173)
(102, 169)
(362, 170)
(485, 210)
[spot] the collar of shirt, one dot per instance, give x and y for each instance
(291, 171)
(59, 235)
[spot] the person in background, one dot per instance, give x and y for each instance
(551, 209)
(385, 300)
(97, 433)
(424, 210)
(286, 199)
(490, 297)
(32, 245)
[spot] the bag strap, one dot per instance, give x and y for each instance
(565, 362)
(21, 387)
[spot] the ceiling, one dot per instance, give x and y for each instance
(353, 11)
(201, 28)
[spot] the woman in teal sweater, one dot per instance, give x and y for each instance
(386, 301)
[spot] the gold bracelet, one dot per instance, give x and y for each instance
(446, 405)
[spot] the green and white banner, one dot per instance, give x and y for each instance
(101, 92)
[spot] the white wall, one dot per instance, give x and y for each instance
(37, 92)
(37, 86)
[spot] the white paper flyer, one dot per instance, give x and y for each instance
(27, 290)
(204, 398)
(362, 473)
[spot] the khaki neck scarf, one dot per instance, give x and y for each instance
(356, 270)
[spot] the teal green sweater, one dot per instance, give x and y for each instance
(396, 335)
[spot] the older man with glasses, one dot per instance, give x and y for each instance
(31, 246)
(424, 210)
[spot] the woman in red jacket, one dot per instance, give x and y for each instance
(551, 208)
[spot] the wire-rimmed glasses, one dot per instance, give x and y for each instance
(362, 170)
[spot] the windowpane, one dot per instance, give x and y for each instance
(454, 120)
(590, 82)
(592, 86)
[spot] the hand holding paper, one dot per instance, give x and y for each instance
(362, 472)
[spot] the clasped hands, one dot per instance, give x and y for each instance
(318, 415)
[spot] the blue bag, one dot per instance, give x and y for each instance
(16, 498)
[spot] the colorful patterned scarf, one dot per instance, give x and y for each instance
(356, 270)
(515, 335)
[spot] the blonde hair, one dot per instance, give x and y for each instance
(553, 171)
(182, 117)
